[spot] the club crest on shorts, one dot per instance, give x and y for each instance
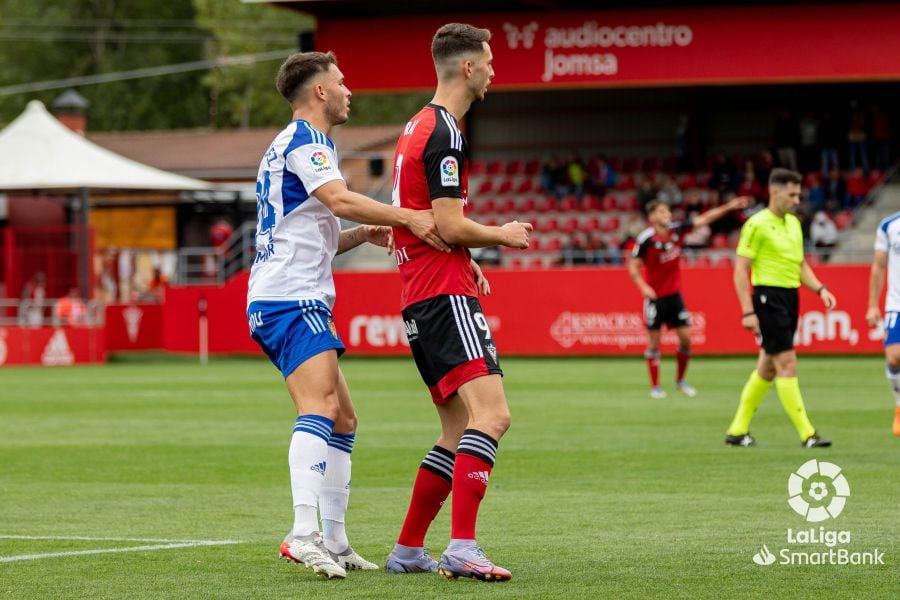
(332, 328)
(492, 350)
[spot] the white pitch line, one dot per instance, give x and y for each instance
(8, 559)
(100, 539)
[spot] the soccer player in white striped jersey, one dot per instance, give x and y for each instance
(886, 263)
(301, 195)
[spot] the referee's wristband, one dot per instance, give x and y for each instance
(748, 314)
(820, 290)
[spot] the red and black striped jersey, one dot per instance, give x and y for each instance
(661, 254)
(431, 161)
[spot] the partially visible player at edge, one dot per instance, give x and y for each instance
(658, 249)
(300, 195)
(771, 248)
(887, 245)
(448, 333)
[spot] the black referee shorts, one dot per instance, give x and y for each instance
(777, 310)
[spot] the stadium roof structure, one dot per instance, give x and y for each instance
(37, 152)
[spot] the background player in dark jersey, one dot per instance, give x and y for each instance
(448, 333)
(658, 249)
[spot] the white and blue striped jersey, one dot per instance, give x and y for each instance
(887, 239)
(296, 235)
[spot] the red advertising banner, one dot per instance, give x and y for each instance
(587, 311)
(763, 44)
(51, 346)
(134, 327)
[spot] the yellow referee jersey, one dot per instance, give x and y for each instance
(775, 247)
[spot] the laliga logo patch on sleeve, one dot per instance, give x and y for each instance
(449, 172)
(319, 161)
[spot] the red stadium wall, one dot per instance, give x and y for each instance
(765, 44)
(542, 313)
(52, 346)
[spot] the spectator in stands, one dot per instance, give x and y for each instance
(809, 141)
(574, 251)
(857, 140)
(815, 193)
(34, 295)
(856, 189)
(646, 191)
(881, 137)
(553, 177)
(576, 175)
(749, 184)
(763, 166)
(829, 141)
(602, 252)
(600, 175)
(724, 175)
(669, 192)
(835, 190)
(823, 234)
(786, 138)
(70, 309)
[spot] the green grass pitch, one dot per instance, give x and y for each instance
(598, 492)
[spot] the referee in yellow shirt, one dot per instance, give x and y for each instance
(770, 255)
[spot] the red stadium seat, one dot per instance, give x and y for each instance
(514, 262)
(547, 204)
(569, 203)
(686, 181)
(533, 167)
(553, 244)
(627, 201)
(843, 219)
(526, 186)
(515, 167)
(491, 222)
(719, 241)
(534, 243)
(528, 205)
(495, 167)
(505, 187)
(548, 225)
(484, 206)
(486, 187)
(477, 167)
(569, 225)
(611, 224)
(506, 206)
(591, 203)
(608, 203)
(625, 182)
(535, 263)
(591, 224)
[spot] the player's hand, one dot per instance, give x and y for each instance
(750, 323)
(828, 299)
(648, 293)
(481, 282)
(421, 224)
(380, 236)
(741, 202)
(516, 234)
(873, 316)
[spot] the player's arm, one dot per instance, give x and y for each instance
(481, 282)
(378, 235)
(809, 279)
(876, 284)
(742, 266)
(635, 263)
(455, 228)
(714, 214)
(362, 209)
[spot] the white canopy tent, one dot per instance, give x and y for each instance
(37, 152)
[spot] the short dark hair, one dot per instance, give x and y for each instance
(299, 68)
(784, 176)
(653, 205)
(455, 39)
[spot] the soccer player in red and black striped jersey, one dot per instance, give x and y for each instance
(448, 333)
(658, 250)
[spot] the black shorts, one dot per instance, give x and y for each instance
(777, 310)
(668, 310)
(450, 342)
